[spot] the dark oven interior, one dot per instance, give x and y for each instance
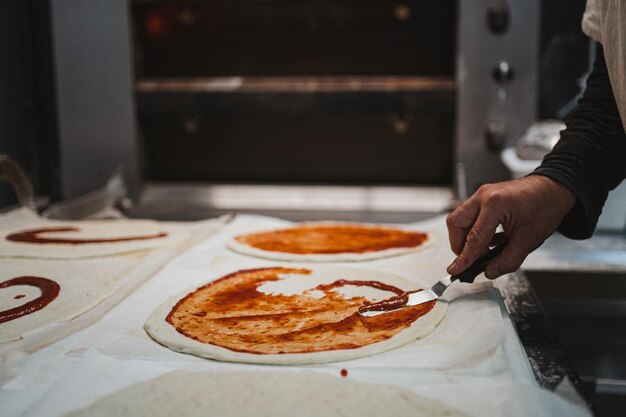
(296, 91)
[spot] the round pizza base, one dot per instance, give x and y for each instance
(253, 394)
(91, 229)
(244, 249)
(81, 290)
(165, 334)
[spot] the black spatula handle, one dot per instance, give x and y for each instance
(479, 265)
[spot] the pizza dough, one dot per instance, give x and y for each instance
(330, 242)
(86, 239)
(81, 286)
(290, 316)
(255, 394)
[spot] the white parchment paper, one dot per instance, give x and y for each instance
(471, 331)
(137, 266)
(96, 375)
(472, 361)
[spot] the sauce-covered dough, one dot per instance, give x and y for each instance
(333, 239)
(232, 313)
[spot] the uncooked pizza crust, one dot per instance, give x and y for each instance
(86, 239)
(256, 394)
(82, 286)
(220, 341)
(316, 241)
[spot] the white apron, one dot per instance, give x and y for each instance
(605, 22)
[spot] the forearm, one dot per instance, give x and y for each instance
(590, 158)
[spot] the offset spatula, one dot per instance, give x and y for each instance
(413, 298)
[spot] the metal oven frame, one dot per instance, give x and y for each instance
(496, 90)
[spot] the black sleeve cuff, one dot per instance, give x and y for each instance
(578, 223)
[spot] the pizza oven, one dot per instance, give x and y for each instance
(357, 107)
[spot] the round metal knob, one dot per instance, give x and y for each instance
(401, 123)
(503, 73)
(402, 12)
(495, 135)
(191, 125)
(498, 16)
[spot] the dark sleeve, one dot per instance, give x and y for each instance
(590, 157)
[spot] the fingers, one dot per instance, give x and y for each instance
(460, 222)
(519, 246)
(511, 257)
(529, 209)
(476, 242)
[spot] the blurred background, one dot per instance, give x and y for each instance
(385, 111)
(421, 94)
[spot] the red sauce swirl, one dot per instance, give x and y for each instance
(49, 291)
(35, 236)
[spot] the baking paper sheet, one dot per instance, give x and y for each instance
(472, 361)
(471, 331)
(95, 375)
(139, 265)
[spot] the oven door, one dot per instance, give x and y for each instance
(301, 92)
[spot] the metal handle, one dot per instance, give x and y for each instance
(470, 274)
(12, 172)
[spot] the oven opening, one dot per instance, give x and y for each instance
(296, 105)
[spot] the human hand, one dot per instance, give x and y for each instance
(529, 209)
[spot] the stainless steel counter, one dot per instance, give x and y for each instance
(602, 252)
(581, 286)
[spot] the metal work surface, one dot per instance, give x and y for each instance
(546, 355)
(582, 288)
(602, 252)
(588, 312)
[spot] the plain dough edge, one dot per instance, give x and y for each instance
(165, 334)
(248, 393)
